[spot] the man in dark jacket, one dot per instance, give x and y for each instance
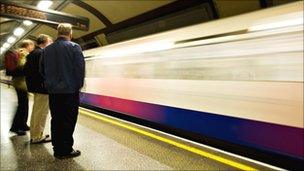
(63, 68)
(34, 83)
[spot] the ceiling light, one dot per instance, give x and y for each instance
(11, 39)
(44, 4)
(2, 49)
(27, 22)
(18, 31)
(6, 45)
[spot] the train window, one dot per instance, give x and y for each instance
(87, 44)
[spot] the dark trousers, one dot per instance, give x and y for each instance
(64, 112)
(21, 115)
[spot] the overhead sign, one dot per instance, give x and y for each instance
(28, 12)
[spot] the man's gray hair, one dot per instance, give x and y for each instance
(64, 29)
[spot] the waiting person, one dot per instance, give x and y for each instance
(34, 82)
(19, 125)
(63, 68)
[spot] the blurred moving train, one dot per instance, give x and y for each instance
(238, 80)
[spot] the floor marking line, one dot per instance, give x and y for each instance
(187, 140)
(171, 142)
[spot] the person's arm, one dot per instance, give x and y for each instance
(26, 67)
(79, 65)
(22, 58)
(21, 62)
(41, 64)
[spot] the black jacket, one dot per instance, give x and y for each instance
(63, 66)
(34, 80)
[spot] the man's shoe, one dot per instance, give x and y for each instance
(73, 153)
(18, 131)
(44, 140)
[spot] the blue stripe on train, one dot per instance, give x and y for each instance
(262, 135)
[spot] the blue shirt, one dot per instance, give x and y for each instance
(63, 67)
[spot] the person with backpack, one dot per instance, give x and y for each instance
(11, 62)
(18, 58)
(35, 85)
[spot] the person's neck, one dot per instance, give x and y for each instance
(65, 37)
(41, 46)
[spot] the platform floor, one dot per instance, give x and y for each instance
(106, 146)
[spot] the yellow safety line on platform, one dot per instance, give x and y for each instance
(180, 145)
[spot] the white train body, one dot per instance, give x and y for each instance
(239, 79)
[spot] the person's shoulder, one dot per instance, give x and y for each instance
(36, 51)
(31, 55)
(48, 47)
(74, 44)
